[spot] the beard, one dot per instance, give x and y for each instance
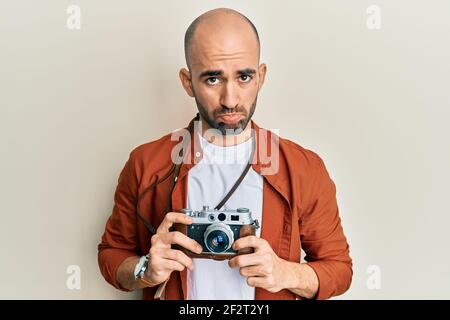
(226, 128)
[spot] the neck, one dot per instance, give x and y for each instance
(227, 140)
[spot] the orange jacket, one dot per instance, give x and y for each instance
(299, 212)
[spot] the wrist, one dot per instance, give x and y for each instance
(147, 283)
(141, 272)
(141, 267)
(303, 280)
(292, 272)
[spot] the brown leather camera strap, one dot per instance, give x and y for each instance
(239, 180)
(173, 173)
(237, 183)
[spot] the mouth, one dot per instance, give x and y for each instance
(230, 118)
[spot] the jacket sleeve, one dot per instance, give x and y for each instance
(322, 236)
(120, 239)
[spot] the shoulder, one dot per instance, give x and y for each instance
(152, 148)
(307, 172)
(294, 158)
(155, 155)
(299, 153)
(303, 163)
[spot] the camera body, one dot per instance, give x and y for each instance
(216, 231)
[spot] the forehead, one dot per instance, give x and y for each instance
(226, 49)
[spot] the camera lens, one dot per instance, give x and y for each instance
(221, 216)
(218, 237)
(217, 241)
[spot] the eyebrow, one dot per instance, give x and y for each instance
(214, 73)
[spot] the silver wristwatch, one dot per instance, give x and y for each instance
(140, 268)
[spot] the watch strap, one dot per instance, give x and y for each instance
(146, 282)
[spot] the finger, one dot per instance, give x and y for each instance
(249, 242)
(260, 282)
(182, 240)
(178, 256)
(159, 267)
(170, 219)
(172, 265)
(253, 271)
(246, 260)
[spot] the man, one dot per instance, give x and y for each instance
(295, 203)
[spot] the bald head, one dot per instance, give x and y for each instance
(219, 25)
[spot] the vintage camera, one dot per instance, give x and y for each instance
(216, 231)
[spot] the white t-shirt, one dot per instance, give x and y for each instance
(208, 183)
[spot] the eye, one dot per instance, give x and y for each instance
(245, 78)
(212, 81)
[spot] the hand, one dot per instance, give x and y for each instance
(263, 268)
(163, 260)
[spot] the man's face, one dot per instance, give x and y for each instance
(232, 113)
(224, 78)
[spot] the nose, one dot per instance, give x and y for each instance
(229, 96)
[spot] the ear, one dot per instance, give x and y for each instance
(185, 77)
(262, 75)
